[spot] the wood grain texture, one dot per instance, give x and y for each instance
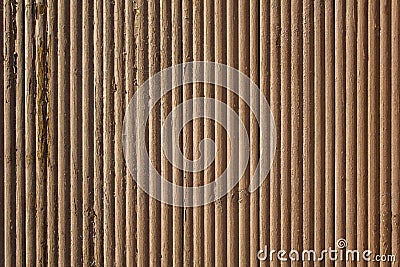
(30, 156)
(373, 127)
(308, 127)
(351, 124)
(232, 100)
(2, 246)
(385, 130)
(362, 125)
(52, 134)
(98, 132)
(154, 131)
(130, 88)
(220, 35)
(87, 133)
(141, 36)
(253, 127)
(187, 135)
(75, 95)
(20, 137)
(119, 109)
(177, 96)
(9, 133)
(285, 130)
(209, 132)
(244, 115)
(200, 48)
(166, 108)
(395, 97)
(69, 69)
(276, 105)
(64, 172)
(340, 121)
(319, 124)
(330, 212)
(296, 127)
(108, 134)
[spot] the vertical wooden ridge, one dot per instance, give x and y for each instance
(351, 124)
(253, 127)
(198, 130)
(276, 105)
(187, 142)
(373, 127)
(119, 110)
(296, 128)
(30, 156)
(2, 178)
(130, 88)
(166, 38)
(177, 95)
(340, 122)
(154, 131)
(20, 136)
(330, 211)
(64, 182)
(9, 133)
(141, 35)
(308, 127)
(232, 100)
(220, 35)
(286, 101)
(362, 125)
(320, 131)
(52, 134)
(75, 93)
(395, 97)
(209, 132)
(98, 132)
(88, 93)
(385, 130)
(244, 114)
(108, 134)
(41, 131)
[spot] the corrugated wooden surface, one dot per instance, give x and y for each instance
(329, 69)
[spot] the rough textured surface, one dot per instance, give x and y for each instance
(329, 69)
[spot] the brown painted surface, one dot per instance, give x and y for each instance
(329, 69)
